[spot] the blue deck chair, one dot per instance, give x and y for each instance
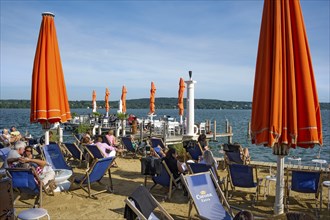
(4, 153)
(127, 143)
(95, 174)
(94, 151)
(74, 151)
(242, 176)
(234, 157)
(305, 182)
(27, 182)
(54, 157)
(157, 142)
(142, 203)
(206, 196)
(194, 150)
(200, 168)
(166, 179)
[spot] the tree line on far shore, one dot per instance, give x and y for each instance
(161, 103)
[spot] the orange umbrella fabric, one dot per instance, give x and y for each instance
(93, 97)
(180, 96)
(49, 101)
(123, 99)
(285, 108)
(152, 98)
(106, 100)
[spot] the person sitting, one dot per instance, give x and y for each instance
(107, 150)
(208, 159)
(173, 164)
(28, 152)
(112, 141)
(157, 152)
(14, 154)
(15, 135)
(244, 215)
(5, 137)
(203, 142)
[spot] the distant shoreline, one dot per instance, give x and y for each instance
(143, 103)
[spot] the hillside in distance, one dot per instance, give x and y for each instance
(143, 103)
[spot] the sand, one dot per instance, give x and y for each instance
(75, 205)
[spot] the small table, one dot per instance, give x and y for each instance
(319, 161)
(298, 159)
(267, 181)
(34, 213)
(327, 184)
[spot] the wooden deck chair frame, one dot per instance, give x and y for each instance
(91, 153)
(173, 182)
(86, 177)
(220, 193)
(64, 145)
(41, 186)
(318, 194)
(139, 214)
(162, 145)
(187, 152)
(255, 177)
(128, 151)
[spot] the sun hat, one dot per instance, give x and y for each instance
(19, 145)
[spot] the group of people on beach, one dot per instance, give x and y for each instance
(10, 136)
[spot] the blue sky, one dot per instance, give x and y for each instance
(115, 43)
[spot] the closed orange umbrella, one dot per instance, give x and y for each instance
(49, 101)
(285, 108)
(123, 99)
(152, 98)
(106, 100)
(180, 97)
(94, 100)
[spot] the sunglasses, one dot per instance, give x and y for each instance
(28, 150)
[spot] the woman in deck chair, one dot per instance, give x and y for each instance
(209, 160)
(173, 164)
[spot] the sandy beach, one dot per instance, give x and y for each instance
(75, 205)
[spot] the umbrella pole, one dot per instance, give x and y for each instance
(47, 137)
(278, 206)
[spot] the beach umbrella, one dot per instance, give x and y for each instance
(106, 100)
(123, 99)
(180, 98)
(285, 108)
(94, 100)
(152, 98)
(49, 101)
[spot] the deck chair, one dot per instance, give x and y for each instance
(206, 196)
(234, 157)
(74, 152)
(200, 168)
(304, 182)
(27, 181)
(155, 142)
(143, 204)
(166, 179)
(194, 149)
(94, 151)
(54, 157)
(95, 174)
(4, 153)
(127, 143)
(242, 176)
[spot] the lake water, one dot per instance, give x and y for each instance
(238, 119)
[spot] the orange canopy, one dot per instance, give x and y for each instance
(285, 108)
(152, 98)
(106, 100)
(49, 101)
(180, 96)
(123, 99)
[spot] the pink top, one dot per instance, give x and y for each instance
(111, 139)
(104, 146)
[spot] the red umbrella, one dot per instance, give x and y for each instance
(106, 100)
(49, 101)
(123, 98)
(285, 108)
(152, 98)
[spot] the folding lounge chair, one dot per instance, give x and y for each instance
(54, 157)
(143, 204)
(127, 143)
(194, 149)
(155, 142)
(304, 182)
(165, 179)
(234, 157)
(95, 174)
(94, 151)
(206, 196)
(4, 153)
(74, 151)
(242, 176)
(200, 168)
(27, 181)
